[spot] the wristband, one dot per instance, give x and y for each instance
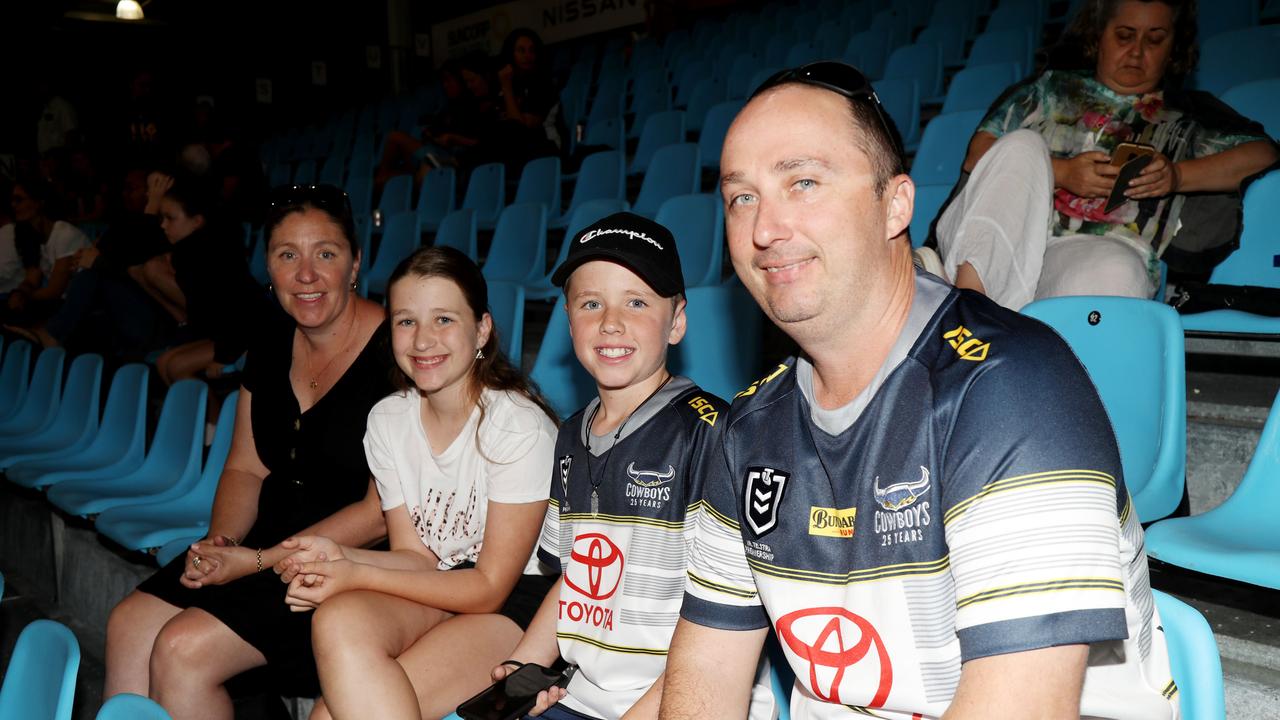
(259, 560)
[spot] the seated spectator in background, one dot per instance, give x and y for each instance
(1031, 220)
(57, 125)
(223, 303)
(297, 467)
(529, 97)
(624, 493)
(108, 308)
(40, 292)
(19, 255)
(460, 455)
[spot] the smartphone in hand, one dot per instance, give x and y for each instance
(1126, 176)
(514, 695)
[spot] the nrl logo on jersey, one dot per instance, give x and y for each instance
(565, 463)
(762, 496)
(904, 516)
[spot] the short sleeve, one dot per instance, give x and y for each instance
(381, 457)
(1013, 107)
(519, 444)
(549, 538)
(67, 240)
(720, 591)
(1032, 496)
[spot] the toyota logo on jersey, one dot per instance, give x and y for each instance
(832, 640)
(595, 566)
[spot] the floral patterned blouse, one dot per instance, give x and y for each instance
(1075, 113)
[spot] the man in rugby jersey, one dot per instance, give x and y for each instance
(926, 506)
(622, 493)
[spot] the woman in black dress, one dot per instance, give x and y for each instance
(297, 465)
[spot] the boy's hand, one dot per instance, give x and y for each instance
(546, 698)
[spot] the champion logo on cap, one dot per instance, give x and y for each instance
(633, 234)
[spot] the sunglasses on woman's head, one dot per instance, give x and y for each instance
(329, 197)
(839, 78)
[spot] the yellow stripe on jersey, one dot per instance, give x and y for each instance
(1128, 508)
(1042, 587)
(863, 711)
(554, 503)
(1022, 481)
(719, 516)
(726, 589)
(660, 652)
(932, 567)
(604, 519)
(1170, 690)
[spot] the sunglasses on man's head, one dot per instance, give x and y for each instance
(329, 197)
(840, 78)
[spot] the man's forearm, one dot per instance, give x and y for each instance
(710, 672)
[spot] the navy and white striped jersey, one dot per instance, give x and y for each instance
(969, 503)
(624, 566)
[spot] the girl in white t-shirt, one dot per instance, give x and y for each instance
(39, 291)
(462, 457)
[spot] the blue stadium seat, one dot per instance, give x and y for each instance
(305, 173)
(651, 102)
(660, 129)
(40, 681)
(1193, 658)
(400, 237)
(697, 222)
(117, 447)
(950, 42)
(1213, 542)
(458, 230)
(776, 49)
(893, 25)
(486, 191)
(1237, 56)
(609, 99)
(1018, 14)
(556, 370)
(721, 349)
(13, 378)
(1226, 15)
(929, 200)
(586, 213)
(901, 100)
(127, 706)
(740, 73)
(601, 176)
(540, 183)
(714, 128)
(281, 175)
(997, 46)
(1258, 100)
(689, 77)
(519, 251)
(506, 306)
(706, 94)
(437, 197)
(171, 467)
(606, 132)
(674, 171)
(397, 195)
(41, 402)
(258, 259)
(919, 62)
(360, 190)
(977, 86)
(867, 51)
(1134, 352)
(151, 525)
(1255, 262)
(830, 40)
(956, 13)
(74, 425)
(943, 147)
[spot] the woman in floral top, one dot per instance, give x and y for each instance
(1031, 221)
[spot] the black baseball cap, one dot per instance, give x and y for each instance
(642, 245)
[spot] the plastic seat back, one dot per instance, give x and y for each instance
(1255, 261)
(606, 132)
(437, 197)
(178, 444)
(506, 306)
(397, 195)
(281, 175)
(929, 200)
(1134, 352)
(1193, 657)
(333, 170)
(1001, 46)
(977, 86)
(660, 129)
(950, 42)
(519, 250)
(1012, 15)
(13, 377)
(400, 237)
(458, 230)
(901, 100)
(540, 183)
(127, 706)
(41, 402)
(556, 369)
(706, 94)
(76, 420)
(599, 177)
(714, 128)
(652, 101)
(609, 99)
(867, 51)
(697, 221)
(485, 194)
(1225, 16)
(40, 681)
(942, 147)
(744, 67)
(920, 62)
(674, 171)
(721, 349)
(201, 496)
(1259, 101)
(305, 173)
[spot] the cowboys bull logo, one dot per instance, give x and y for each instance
(762, 497)
(650, 478)
(901, 495)
(831, 640)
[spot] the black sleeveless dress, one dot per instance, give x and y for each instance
(317, 466)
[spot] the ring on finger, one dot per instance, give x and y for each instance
(195, 561)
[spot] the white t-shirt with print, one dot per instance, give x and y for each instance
(447, 495)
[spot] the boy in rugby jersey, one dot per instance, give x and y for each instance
(623, 499)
